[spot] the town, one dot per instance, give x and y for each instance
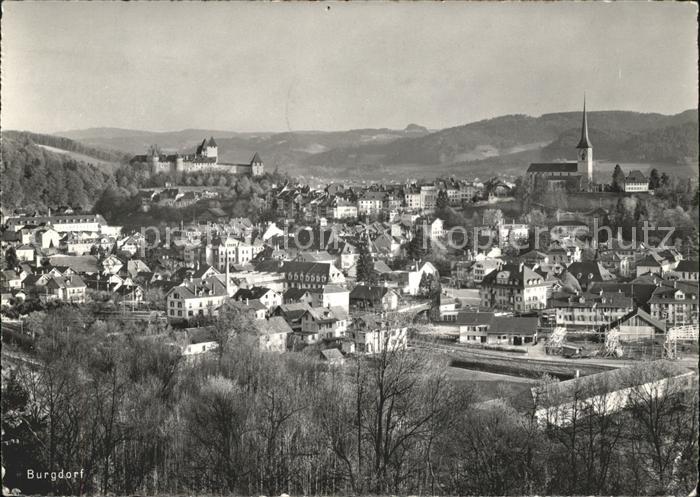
(349, 249)
(446, 267)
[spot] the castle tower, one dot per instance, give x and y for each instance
(211, 150)
(154, 159)
(585, 148)
(257, 167)
(179, 164)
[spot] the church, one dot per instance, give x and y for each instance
(560, 175)
(205, 158)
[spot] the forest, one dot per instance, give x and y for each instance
(138, 418)
(36, 179)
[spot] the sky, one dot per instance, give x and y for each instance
(273, 66)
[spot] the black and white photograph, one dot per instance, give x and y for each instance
(349, 248)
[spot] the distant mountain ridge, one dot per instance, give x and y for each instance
(505, 140)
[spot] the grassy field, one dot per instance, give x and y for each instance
(102, 164)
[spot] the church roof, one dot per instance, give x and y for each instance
(585, 142)
(553, 167)
(636, 176)
(212, 142)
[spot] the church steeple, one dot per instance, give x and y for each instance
(585, 142)
(585, 148)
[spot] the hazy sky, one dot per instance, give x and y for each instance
(277, 66)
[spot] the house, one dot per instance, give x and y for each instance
(331, 296)
(655, 264)
(676, 303)
(111, 264)
(370, 203)
(513, 287)
(10, 280)
(297, 295)
(346, 255)
(273, 333)
(316, 256)
(47, 238)
(635, 181)
(590, 310)
(408, 282)
(434, 228)
(688, 270)
(373, 334)
(80, 264)
(386, 246)
(196, 341)
(136, 266)
(254, 309)
(484, 266)
(269, 298)
(69, 288)
(292, 314)
(195, 297)
(341, 208)
(130, 294)
(589, 272)
(25, 253)
(374, 298)
(324, 323)
(487, 328)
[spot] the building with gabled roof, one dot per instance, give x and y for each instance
(513, 287)
(635, 181)
(675, 302)
(374, 298)
(195, 297)
(273, 333)
(590, 310)
(324, 323)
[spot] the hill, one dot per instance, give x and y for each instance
(275, 146)
(33, 177)
(79, 151)
(557, 133)
(500, 144)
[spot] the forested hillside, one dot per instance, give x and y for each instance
(615, 134)
(677, 144)
(67, 144)
(34, 178)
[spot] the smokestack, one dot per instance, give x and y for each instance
(227, 276)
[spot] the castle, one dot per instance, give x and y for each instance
(558, 174)
(205, 158)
